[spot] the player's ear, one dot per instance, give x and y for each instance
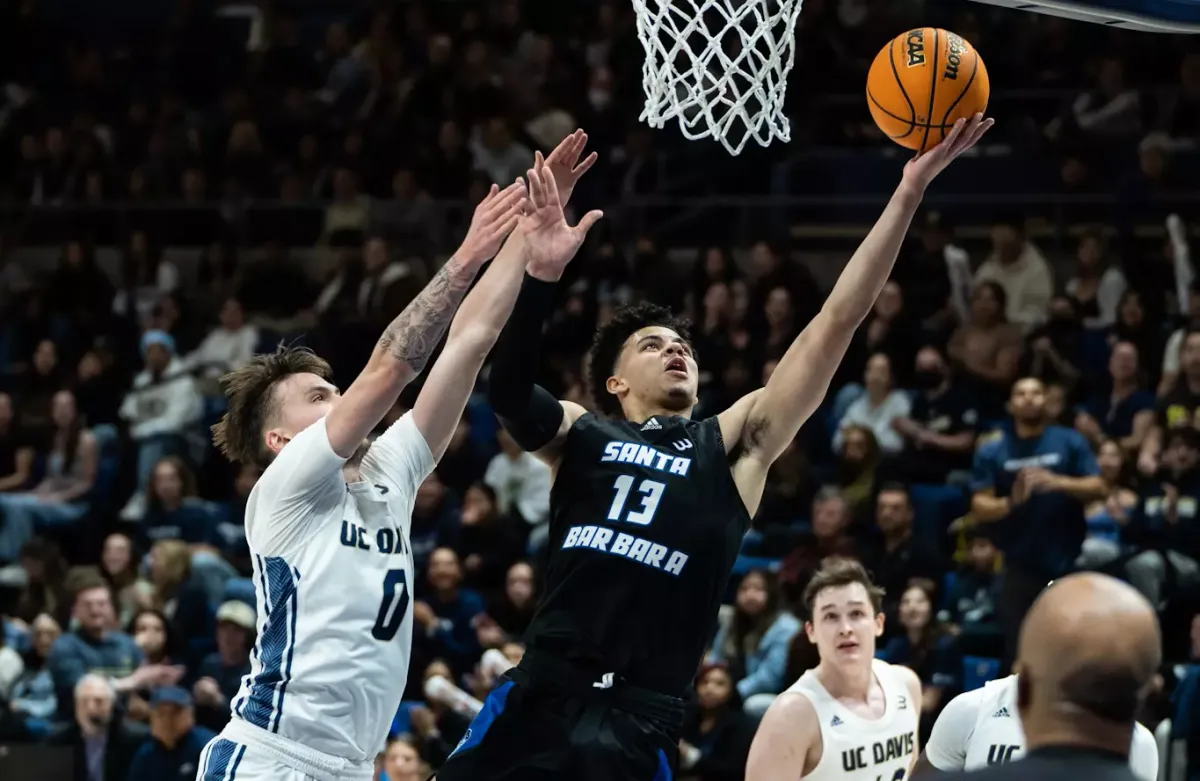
(616, 385)
(808, 630)
(879, 624)
(276, 439)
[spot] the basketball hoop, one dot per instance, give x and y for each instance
(720, 67)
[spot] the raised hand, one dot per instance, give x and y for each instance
(923, 168)
(550, 242)
(564, 163)
(495, 217)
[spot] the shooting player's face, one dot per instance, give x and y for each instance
(844, 624)
(301, 400)
(656, 366)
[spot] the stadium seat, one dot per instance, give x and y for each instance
(978, 670)
(402, 722)
(746, 563)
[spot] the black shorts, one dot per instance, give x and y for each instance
(530, 730)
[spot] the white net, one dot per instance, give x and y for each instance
(718, 66)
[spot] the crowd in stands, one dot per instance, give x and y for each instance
(1004, 416)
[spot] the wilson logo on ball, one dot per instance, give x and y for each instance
(955, 48)
(916, 48)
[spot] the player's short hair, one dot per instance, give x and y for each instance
(838, 571)
(250, 392)
(610, 338)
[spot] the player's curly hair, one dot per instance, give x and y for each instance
(250, 392)
(610, 338)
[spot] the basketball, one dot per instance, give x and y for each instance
(922, 82)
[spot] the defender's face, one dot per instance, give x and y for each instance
(844, 624)
(657, 366)
(302, 400)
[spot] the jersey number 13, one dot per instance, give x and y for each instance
(650, 492)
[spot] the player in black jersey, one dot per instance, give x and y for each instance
(647, 515)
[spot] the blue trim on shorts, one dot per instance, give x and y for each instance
(224, 756)
(493, 706)
(664, 768)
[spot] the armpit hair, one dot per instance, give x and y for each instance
(754, 432)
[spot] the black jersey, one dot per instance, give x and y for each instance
(645, 526)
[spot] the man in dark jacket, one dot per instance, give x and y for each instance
(173, 752)
(102, 741)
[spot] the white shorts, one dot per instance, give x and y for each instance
(239, 753)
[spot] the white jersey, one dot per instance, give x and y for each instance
(333, 572)
(858, 749)
(982, 727)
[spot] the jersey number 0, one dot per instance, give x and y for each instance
(651, 493)
(394, 606)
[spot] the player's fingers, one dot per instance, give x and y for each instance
(487, 199)
(538, 160)
(537, 191)
(550, 186)
(578, 142)
(506, 227)
(504, 200)
(583, 167)
(585, 224)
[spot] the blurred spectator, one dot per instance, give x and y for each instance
(753, 646)
(228, 346)
(152, 634)
(16, 454)
(1055, 349)
(1173, 352)
(974, 600)
(928, 647)
(522, 485)
(102, 740)
(1019, 267)
(987, 348)
(1166, 525)
(1030, 483)
(1098, 285)
(94, 646)
(45, 588)
(118, 568)
(899, 556)
(497, 154)
(220, 674)
(1111, 109)
(1123, 411)
(175, 743)
(174, 591)
(1180, 408)
(11, 669)
(402, 761)
(33, 695)
(1133, 325)
(830, 537)
(447, 614)
(160, 408)
(890, 330)
(59, 499)
(172, 510)
(940, 429)
(1108, 515)
(145, 278)
(514, 609)
(716, 734)
(487, 541)
(878, 409)
(437, 726)
(858, 459)
(435, 520)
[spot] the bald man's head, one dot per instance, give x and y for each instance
(1090, 646)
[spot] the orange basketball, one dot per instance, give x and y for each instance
(922, 82)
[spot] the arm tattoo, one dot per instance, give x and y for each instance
(413, 335)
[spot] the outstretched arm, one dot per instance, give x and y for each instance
(535, 419)
(802, 377)
(405, 346)
(478, 323)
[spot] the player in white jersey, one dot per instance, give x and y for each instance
(982, 727)
(852, 717)
(328, 522)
